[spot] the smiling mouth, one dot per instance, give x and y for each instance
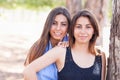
(83, 37)
(58, 34)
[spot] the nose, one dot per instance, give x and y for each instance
(83, 30)
(58, 27)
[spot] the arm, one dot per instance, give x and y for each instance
(48, 58)
(103, 66)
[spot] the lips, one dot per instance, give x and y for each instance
(58, 34)
(82, 37)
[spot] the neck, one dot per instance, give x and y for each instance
(81, 48)
(54, 42)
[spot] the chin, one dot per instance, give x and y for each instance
(58, 38)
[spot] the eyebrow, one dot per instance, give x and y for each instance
(62, 21)
(65, 22)
(80, 24)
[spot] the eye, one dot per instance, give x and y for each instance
(64, 24)
(78, 26)
(54, 23)
(88, 26)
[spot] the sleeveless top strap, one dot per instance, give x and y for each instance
(98, 59)
(68, 55)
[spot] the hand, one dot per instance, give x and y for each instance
(63, 44)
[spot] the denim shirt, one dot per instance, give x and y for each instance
(49, 72)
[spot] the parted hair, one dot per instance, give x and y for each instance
(38, 48)
(94, 23)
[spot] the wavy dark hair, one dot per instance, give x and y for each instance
(39, 46)
(94, 23)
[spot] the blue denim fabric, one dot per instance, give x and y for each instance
(50, 72)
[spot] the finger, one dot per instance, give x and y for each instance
(59, 44)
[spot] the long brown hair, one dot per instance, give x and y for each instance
(39, 46)
(94, 23)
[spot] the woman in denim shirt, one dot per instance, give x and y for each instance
(55, 30)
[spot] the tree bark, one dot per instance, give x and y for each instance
(113, 72)
(95, 6)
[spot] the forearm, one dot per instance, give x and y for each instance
(29, 74)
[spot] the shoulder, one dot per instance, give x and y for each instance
(103, 60)
(58, 50)
(101, 54)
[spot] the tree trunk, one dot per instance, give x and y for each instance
(113, 72)
(73, 6)
(95, 6)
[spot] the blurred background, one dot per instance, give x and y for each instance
(21, 24)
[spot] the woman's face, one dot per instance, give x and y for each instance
(83, 30)
(59, 27)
